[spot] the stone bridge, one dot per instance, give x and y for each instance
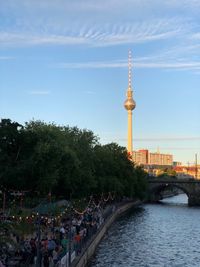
(190, 187)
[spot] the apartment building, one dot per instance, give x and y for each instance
(143, 157)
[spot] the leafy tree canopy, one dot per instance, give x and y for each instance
(65, 161)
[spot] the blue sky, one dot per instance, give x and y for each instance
(66, 62)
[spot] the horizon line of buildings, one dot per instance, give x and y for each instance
(154, 162)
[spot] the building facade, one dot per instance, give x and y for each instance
(144, 157)
(187, 171)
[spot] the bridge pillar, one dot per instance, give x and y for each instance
(194, 200)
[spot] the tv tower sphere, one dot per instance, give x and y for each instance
(129, 103)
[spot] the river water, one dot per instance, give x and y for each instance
(154, 235)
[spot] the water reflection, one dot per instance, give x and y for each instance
(180, 199)
(160, 235)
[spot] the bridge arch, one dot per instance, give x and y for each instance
(156, 190)
(190, 187)
(162, 187)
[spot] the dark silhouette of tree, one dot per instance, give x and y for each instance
(65, 161)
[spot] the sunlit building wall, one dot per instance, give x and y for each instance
(160, 159)
(140, 157)
(143, 157)
(188, 171)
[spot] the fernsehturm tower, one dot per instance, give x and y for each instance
(129, 105)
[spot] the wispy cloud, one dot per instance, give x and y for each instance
(92, 33)
(164, 64)
(164, 139)
(192, 4)
(195, 36)
(92, 39)
(21, 39)
(39, 92)
(187, 138)
(170, 65)
(161, 148)
(91, 65)
(133, 38)
(100, 29)
(104, 5)
(6, 58)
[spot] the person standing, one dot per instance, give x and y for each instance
(46, 259)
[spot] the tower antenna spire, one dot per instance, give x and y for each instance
(129, 69)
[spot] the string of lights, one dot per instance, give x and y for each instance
(56, 218)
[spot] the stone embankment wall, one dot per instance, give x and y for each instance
(84, 258)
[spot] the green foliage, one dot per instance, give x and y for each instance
(10, 147)
(66, 161)
(167, 173)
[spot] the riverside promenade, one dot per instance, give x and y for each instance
(110, 215)
(70, 243)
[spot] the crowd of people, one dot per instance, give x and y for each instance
(56, 244)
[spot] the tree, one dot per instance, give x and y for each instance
(114, 171)
(46, 143)
(64, 160)
(10, 148)
(82, 143)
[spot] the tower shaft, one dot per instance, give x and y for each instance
(130, 133)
